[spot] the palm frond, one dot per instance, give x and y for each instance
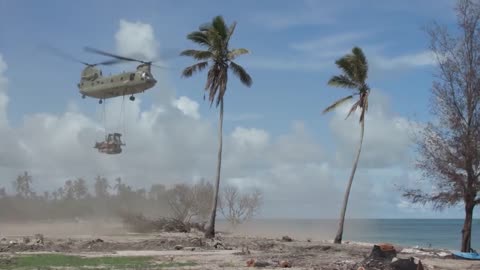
(220, 27)
(199, 38)
(237, 52)
(198, 55)
(188, 71)
(217, 42)
(361, 64)
(337, 103)
(354, 108)
(231, 29)
(342, 81)
(346, 65)
(240, 72)
(205, 27)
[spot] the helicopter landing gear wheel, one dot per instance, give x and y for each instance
(132, 98)
(100, 101)
(83, 96)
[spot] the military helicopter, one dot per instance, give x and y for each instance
(94, 84)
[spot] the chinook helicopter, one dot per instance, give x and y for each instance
(94, 84)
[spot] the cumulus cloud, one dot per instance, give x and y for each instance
(387, 138)
(136, 39)
(187, 106)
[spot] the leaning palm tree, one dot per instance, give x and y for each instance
(355, 69)
(214, 37)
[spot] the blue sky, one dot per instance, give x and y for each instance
(293, 48)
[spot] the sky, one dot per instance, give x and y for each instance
(275, 136)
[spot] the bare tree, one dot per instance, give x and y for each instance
(237, 207)
(181, 202)
(449, 146)
(188, 202)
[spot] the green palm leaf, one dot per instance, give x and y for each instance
(188, 71)
(342, 81)
(231, 29)
(199, 38)
(346, 65)
(220, 27)
(198, 55)
(241, 73)
(237, 52)
(337, 103)
(360, 64)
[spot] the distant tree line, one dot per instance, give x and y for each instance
(111, 199)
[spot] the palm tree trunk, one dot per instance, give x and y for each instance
(210, 229)
(338, 237)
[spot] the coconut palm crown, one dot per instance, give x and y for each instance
(355, 71)
(214, 37)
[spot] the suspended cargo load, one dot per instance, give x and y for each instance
(112, 144)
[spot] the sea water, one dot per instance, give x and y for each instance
(435, 233)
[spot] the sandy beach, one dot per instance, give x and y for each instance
(228, 250)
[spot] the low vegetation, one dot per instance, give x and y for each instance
(55, 261)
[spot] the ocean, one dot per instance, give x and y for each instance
(435, 233)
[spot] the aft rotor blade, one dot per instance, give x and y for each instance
(88, 49)
(64, 55)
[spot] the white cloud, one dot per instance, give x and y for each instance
(250, 138)
(420, 59)
(187, 106)
(136, 39)
(387, 138)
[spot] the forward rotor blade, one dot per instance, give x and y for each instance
(88, 49)
(161, 66)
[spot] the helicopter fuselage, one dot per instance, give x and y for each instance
(94, 84)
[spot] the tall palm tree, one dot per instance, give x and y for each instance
(354, 74)
(214, 37)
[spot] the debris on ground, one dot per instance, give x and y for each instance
(26, 239)
(285, 264)
(255, 263)
(384, 257)
(287, 238)
(39, 238)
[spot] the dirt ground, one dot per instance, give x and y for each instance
(226, 251)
